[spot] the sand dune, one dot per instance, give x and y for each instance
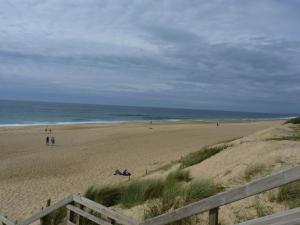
(31, 172)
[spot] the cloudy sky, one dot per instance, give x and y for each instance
(213, 54)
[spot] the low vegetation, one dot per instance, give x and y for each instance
(56, 217)
(295, 120)
(295, 136)
(176, 196)
(290, 194)
(261, 208)
(201, 189)
(201, 155)
(140, 191)
(253, 170)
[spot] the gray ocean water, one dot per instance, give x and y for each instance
(14, 113)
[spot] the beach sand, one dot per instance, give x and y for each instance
(85, 155)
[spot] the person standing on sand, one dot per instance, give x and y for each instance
(52, 140)
(47, 140)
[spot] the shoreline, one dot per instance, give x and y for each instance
(142, 122)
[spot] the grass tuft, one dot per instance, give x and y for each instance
(107, 195)
(262, 209)
(178, 176)
(140, 191)
(254, 170)
(201, 155)
(290, 194)
(200, 189)
(175, 196)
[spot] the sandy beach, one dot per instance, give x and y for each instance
(85, 155)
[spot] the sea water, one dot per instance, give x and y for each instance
(21, 113)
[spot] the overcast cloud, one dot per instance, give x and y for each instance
(226, 55)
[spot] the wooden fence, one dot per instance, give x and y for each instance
(80, 208)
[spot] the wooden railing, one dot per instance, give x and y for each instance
(213, 203)
(80, 208)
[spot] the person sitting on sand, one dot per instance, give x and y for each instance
(124, 173)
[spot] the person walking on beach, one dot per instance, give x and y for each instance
(47, 140)
(52, 140)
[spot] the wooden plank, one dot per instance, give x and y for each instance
(5, 220)
(87, 215)
(250, 189)
(47, 210)
(289, 222)
(118, 217)
(213, 216)
(280, 217)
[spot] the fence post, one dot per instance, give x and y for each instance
(79, 218)
(42, 220)
(213, 216)
(71, 215)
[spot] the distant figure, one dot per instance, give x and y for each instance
(52, 140)
(50, 130)
(46, 129)
(124, 173)
(150, 124)
(217, 124)
(47, 140)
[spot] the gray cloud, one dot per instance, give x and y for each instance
(227, 55)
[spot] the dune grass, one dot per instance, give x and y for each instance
(179, 176)
(55, 217)
(107, 195)
(200, 189)
(290, 194)
(138, 191)
(171, 192)
(253, 170)
(295, 136)
(201, 155)
(175, 196)
(295, 120)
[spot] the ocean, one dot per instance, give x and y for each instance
(22, 113)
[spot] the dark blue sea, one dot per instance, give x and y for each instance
(20, 113)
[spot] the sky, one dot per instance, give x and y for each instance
(236, 55)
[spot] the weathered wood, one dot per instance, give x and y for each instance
(213, 216)
(119, 218)
(79, 218)
(87, 215)
(5, 220)
(42, 220)
(280, 217)
(47, 210)
(250, 189)
(289, 222)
